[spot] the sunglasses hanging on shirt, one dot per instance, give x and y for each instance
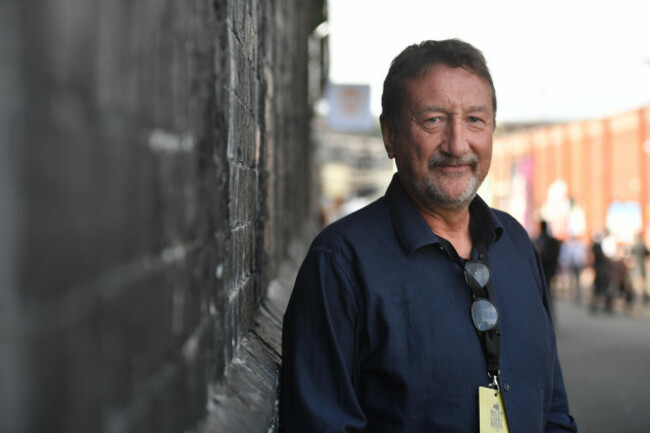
(484, 314)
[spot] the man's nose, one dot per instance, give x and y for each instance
(455, 143)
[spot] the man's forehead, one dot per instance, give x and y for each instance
(437, 92)
(484, 108)
(441, 71)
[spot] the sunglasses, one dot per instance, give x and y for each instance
(484, 313)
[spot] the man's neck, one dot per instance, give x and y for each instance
(452, 225)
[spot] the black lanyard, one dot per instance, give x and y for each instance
(490, 340)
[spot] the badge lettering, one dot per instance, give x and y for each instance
(492, 416)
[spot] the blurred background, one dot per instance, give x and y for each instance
(164, 166)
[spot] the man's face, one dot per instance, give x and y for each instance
(443, 146)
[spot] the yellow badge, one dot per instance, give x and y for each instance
(492, 416)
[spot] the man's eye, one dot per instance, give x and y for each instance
(433, 120)
(473, 119)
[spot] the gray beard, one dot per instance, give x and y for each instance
(438, 197)
(428, 190)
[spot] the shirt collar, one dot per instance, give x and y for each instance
(413, 232)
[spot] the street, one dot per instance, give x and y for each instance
(606, 363)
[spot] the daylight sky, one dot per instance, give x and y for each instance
(551, 60)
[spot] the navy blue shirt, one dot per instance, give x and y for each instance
(378, 335)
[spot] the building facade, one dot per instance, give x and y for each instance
(582, 176)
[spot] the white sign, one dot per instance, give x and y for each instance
(349, 107)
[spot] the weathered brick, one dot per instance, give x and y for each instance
(155, 159)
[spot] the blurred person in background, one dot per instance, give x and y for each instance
(620, 284)
(572, 260)
(548, 249)
(640, 253)
(601, 265)
(427, 310)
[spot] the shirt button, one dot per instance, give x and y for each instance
(506, 387)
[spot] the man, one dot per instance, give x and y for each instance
(602, 266)
(548, 248)
(391, 326)
(640, 253)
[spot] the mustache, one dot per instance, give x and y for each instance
(443, 159)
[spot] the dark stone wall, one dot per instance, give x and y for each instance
(156, 169)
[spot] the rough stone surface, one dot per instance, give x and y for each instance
(247, 399)
(156, 167)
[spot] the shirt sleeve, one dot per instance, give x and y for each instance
(319, 346)
(559, 419)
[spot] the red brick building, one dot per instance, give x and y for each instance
(581, 176)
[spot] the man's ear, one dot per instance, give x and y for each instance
(388, 134)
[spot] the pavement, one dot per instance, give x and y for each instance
(606, 364)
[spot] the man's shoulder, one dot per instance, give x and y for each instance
(359, 226)
(512, 228)
(505, 219)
